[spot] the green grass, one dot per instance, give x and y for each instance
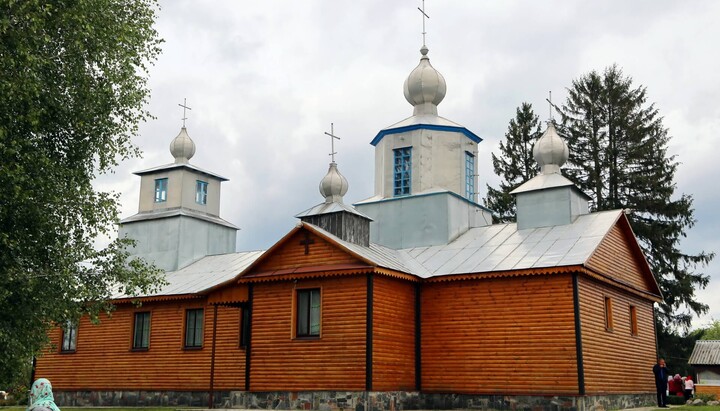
(691, 408)
(16, 408)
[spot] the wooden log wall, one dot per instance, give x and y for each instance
(513, 335)
(707, 389)
(393, 334)
(229, 356)
(104, 359)
(616, 361)
(291, 254)
(614, 257)
(334, 361)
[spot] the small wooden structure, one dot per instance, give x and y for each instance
(705, 359)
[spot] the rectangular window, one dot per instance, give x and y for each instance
(194, 328)
(161, 190)
(608, 314)
(469, 176)
(201, 188)
(308, 313)
(633, 320)
(69, 337)
(402, 171)
(141, 336)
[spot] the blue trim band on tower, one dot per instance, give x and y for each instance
(469, 134)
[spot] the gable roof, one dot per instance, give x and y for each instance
(425, 122)
(706, 352)
(498, 248)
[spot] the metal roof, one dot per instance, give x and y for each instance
(497, 247)
(706, 352)
(172, 166)
(501, 247)
(203, 274)
(543, 181)
(427, 122)
(328, 208)
(177, 211)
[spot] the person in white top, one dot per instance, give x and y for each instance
(689, 386)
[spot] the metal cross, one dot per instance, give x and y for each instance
(306, 242)
(185, 107)
(549, 100)
(422, 10)
(332, 141)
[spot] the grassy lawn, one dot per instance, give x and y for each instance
(691, 408)
(15, 408)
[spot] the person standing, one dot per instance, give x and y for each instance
(661, 382)
(689, 386)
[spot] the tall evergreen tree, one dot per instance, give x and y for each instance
(515, 164)
(618, 155)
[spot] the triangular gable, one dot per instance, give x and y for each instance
(619, 257)
(304, 250)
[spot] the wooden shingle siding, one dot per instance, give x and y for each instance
(707, 389)
(393, 334)
(104, 360)
(608, 355)
(229, 357)
(503, 335)
(292, 254)
(334, 361)
(614, 257)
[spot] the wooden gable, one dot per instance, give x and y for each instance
(620, 258)
(303, 251)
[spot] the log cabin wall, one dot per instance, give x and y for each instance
(292, 253)
(229, 356)
(104, 359)
(393, 334)
(512, 335)
(614, 257)
(334, 361)
(616, 361)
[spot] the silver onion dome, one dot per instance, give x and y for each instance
(550, 151)
(182, 147)
(334, 185)
(425, 87)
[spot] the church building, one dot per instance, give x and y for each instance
(410, 299)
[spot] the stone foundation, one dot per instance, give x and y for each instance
(351, 400)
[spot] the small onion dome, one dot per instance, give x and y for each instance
(182, 147)
(334, 185)
(550, 151)
(425, 87)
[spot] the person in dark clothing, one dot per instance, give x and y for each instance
(661, 382)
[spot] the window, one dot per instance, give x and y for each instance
(608, 314)
(402, 171)
(69, 337)
(633, 320)
(308, 313)
(469, 176)
(201, 192)
(141, 336)
(161, 190)
(194, 328)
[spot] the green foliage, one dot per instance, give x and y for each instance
(712, 332)
(516, 164)
(676, 348)
(618, 155)
(73, 89)
(706, 397)
(676, 400)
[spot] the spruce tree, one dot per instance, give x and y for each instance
(515, 164)
(619, 156)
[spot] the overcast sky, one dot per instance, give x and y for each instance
(265, 79)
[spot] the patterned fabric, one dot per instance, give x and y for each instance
(41, 396)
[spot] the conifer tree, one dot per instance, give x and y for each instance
(618, 155)
(515, 164)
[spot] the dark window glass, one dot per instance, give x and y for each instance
(69, 339)
(141, 336)
(245, 328)
(201, 190)
(308, 313)
(194, 328)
